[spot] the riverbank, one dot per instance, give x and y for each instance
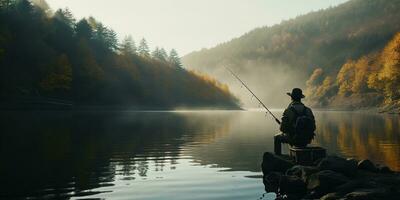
(330, 178)
(48, 104)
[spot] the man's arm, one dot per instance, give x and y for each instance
(285, 124)
(311, 115)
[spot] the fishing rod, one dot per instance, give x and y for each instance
(268, 111)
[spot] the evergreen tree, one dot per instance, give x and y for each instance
(160, 54)
(83, 29)
(155, 54)
(143, 49)
(54, 56)
(163, 55)
(65, 16)
(128, 46)
(174, 59)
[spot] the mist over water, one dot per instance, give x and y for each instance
(170, 155)
(269, 81)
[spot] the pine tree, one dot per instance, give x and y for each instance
(128, 46)
(65, 16)
(174, 59)
(156, 53)
(143, 49)
(163, 55)
(83, 29)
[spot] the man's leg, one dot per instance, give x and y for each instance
(278, 140)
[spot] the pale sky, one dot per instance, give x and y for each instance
(189, 25)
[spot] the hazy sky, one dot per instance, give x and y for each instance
(189, 25)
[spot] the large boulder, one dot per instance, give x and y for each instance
(293, 186)
(338, 164)
(326, 181)
(303, 172)
(384, 169)
(367, 165)
(272, 181)
(272, 163)
(282, 184)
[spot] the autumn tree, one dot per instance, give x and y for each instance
(387, 79)
(44, 55)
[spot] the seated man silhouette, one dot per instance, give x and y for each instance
(298, 124)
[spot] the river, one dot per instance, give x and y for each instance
(166, 155)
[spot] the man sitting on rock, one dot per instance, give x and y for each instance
(298, 124)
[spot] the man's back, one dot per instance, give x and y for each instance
(290, 124)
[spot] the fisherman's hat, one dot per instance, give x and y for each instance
(296, 93)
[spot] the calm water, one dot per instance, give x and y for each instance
(165, 155)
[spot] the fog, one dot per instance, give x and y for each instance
(270, 82)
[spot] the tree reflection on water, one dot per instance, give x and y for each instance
(361, 135)
(56, 155)
(64, 154)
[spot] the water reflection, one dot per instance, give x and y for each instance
(59, 155)
(151, 155)
(361, 135)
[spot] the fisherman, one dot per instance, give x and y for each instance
(298, 124)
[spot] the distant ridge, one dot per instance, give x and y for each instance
(323, 39)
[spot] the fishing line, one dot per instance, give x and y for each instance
(254, 95)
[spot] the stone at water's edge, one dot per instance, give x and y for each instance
(367, 165)
(338, 164)
(326, 181)
(275, 163)
(331, 178)
(302, 172)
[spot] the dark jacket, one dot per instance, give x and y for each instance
(289, 117)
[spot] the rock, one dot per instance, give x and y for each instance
(331, 196)
(326, 181)
(351, 186)
(337, 164)
(273, 163)
(302, 172)
(271, 181)
(384, 169)
(314, 194)
(293, 186)
(367, 194)
(280, 183)
(367, 165)
(392, 180)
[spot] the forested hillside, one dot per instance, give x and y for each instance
(285, 55)
(46, 54)
(371, 80)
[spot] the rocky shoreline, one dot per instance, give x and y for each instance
(330, 178)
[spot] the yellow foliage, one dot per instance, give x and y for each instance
(345, 78)
(389, 76)
(377, 73)
(208, 79)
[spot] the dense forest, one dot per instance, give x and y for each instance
(371, 80)
(284, 55)
(46, 54)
